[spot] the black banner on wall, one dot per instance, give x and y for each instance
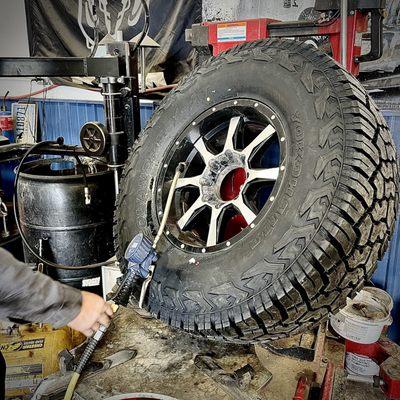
(64, 28)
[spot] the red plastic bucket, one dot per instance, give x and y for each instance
(6, 122)
(7, 125)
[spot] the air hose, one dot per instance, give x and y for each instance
(90, 348)
(140, 254)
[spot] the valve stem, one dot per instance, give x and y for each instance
(88, 197)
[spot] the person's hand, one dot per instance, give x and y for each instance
(94, 311)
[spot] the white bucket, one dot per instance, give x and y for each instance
(364, 317)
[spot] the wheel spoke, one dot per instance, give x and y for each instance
(213, 231)
(248, 215)
(262, 137)
(268, 174)
(232, 129)
(192, 211)
(202, 149)
(191, 181)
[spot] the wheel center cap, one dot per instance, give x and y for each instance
(223, 178)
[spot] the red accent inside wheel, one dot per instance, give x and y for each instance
(234, 226)
(230, 187)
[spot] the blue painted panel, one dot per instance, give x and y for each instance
(387, 275)
(65, 118)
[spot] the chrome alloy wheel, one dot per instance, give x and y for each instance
(235, 157)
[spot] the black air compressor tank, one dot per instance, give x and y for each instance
(54, 215)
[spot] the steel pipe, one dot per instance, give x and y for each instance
(344, 8)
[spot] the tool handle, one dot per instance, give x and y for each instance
(125, 289)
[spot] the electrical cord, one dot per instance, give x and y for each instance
(96, 33)
(32, 150)
(37, 92)
(146, 25)
(3, 107)
(44, 122)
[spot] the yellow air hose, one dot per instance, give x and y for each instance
(71, 386)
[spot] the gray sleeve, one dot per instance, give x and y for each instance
(33, 296)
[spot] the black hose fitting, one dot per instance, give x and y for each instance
(125, 289)
(90, 348)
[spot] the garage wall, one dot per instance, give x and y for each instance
(66, 117)
(13, 32)
(14, 43)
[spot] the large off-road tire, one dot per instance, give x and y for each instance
(328, 217)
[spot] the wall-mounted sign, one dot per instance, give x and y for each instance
(25, 122)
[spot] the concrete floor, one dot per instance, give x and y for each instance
(164, 364)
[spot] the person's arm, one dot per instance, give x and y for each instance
(34, 297)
